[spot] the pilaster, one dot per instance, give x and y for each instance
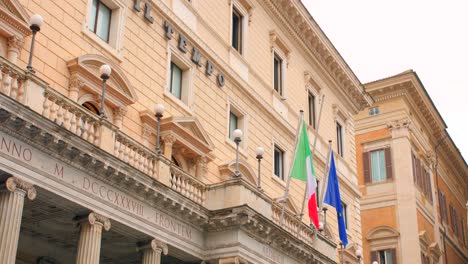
(15, 44)
(12, 195)
(405, 192)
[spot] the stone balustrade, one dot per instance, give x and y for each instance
(292, 224)
(31, 91)
(187, 185)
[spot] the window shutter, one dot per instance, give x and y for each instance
(418, 172)
(388, 163)
(394, 257)
(374, 256)
(413, 162)
(367, 173)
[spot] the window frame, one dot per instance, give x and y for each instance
(171, 80)
(114, 45)
(96, 19)
(282, 161)
(186, 99)
(345, 213)
(339, 139)
(278, 80)
(240, 31)
(384, 165)
(312, 109)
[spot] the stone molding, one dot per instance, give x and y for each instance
(96, 219)
(12, 184)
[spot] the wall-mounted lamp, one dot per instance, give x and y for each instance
(105, 72)
(237, 134)
(259, 151)
(35, 23)
(158, 113)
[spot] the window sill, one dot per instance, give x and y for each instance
(278, 95)
(178, 102)
(378, 183)
(117, 54)
(238, 54)
(279, 181)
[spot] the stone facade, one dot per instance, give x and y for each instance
(402, 212)
(109, 196)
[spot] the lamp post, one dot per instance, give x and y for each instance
(324, 209)
(158, 112)
(237, 134)
(105, 72)
(35, 23)
(359, 255)
(259, 151)
(375, 262)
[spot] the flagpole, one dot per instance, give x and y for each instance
(313, 152)
(288, 182)
(325, 177)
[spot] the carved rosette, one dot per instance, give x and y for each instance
(13, 184)
(95, 218)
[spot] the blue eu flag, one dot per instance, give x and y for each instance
(332, 197)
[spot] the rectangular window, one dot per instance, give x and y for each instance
(233, 124)
(453, 219)
(345, 213)
(279, 162)
(176, 81)
(385, 257)
(237, 30)
(317, 194)
(463, 223)
(100, 20)
(278, 74)
(311, 109)
(443, 207)
(339, 139)
(378, 168)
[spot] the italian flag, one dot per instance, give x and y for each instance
(303, 169)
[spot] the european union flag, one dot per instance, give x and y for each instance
(333, 198)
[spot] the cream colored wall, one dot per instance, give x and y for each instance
(145, 61)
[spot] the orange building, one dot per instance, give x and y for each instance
(413, 179)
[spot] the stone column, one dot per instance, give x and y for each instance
(75, 85)
(169, 141)
(12, 195)
(15, 44)
(202, 167)
(231, 260)
(89, 245)
(152, 251)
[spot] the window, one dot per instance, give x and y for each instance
(345, 213)
(317, 194)
(374, 111)
(311, 104)
(453, 219)
(463, 223)
(279, 162)
(233, 123)
(384, 256)
(176, 81)
(443, 206)
(100, 20)
(378, 166)
(339, 139)
(237, 19)
(278, 73)
(91, 107)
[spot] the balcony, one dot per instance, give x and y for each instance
(28, 94)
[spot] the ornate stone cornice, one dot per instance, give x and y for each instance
(264, 231)
(312, 39)
(13, 184)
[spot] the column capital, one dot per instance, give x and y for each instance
(169, 139)
(96, 219)
(155, 245)
(15, 43)
(13, 184)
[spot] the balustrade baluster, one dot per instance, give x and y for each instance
(21, 87)
(84, 128)
(59, 119)
(126, 152)
(6, 83)
(14, 86)
(90, 132)
(52, 109)
(79, 124)
(66, 118)
(45, 106)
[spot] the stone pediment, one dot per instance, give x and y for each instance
(84, 71)
(14, 19)
(187, 130)
(382, 232)
(228, 168)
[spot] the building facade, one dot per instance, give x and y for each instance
(412, 177)
(95, 180)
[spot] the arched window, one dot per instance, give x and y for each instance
(92, 108)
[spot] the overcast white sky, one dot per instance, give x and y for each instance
(383, 38)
